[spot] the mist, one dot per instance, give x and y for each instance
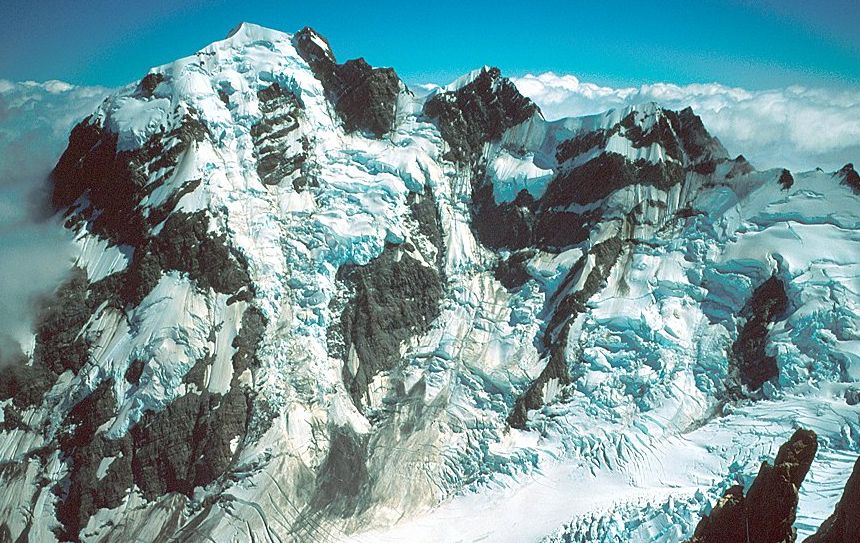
(36, 252)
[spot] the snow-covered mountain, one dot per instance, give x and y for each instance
(310, 306)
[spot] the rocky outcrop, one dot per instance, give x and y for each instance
(426, 214)
(146, 87)
(693, 138)
(510, 225)
(84, 449)
(134, 371)
(585, 176)
(601, 176)
(533, 397)
(740, 166)
(189, 444)
(850, 177)
(25, 384)
(114, 182)
(363, 96)
(604, 256)
(843, 526)
(512, 272)
(59, 343)
(248, 340)
(279, 152)
(478, 113)
(394, 298)
(786, 180)
(186, 245)
(766, 514)
(748, 354)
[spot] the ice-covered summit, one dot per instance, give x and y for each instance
(310, 305)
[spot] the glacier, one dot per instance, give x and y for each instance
(566, 372)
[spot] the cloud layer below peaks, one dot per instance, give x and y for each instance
(796, 127)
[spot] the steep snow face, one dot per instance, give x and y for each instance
(313, 302)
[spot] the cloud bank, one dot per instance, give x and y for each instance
(796, 127)
(35, 121)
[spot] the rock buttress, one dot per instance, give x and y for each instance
(767, 513)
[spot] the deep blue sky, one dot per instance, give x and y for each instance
(754, 44)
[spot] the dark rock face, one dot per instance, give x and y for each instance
(363, 96)
(158, 214)
(367, 96)
(533, 398)
(843, 526)
(525, 222)
(115, 182)
(176, 450)
(850, 177)
(772, 498)
(12, 419)
(767, 513)
(59, 346)
(25, 385)
(662, 132)
(188, 444)
(681, 134)
(478, 113)
(740, 166)
(573, 303)
(546, 223)
(84, 449)
(601, 176)
(767, 304)
(512, 272)
(281, 110)
(555, 231)
(134, 371)
(426, 213)
(509, 225)
(727, 522)
(395, 297)
(694, 139)
(786, 180)
(149, 83)
(197, 428)
(555, 339)
(582, 143)
(185, 245)
(248, 340)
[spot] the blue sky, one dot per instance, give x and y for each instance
(761, 44)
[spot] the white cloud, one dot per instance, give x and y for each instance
(35, 121)
(795, 127)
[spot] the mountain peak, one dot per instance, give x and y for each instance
(251, 31)
(307, 299)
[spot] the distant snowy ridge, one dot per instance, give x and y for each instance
(772, 128)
